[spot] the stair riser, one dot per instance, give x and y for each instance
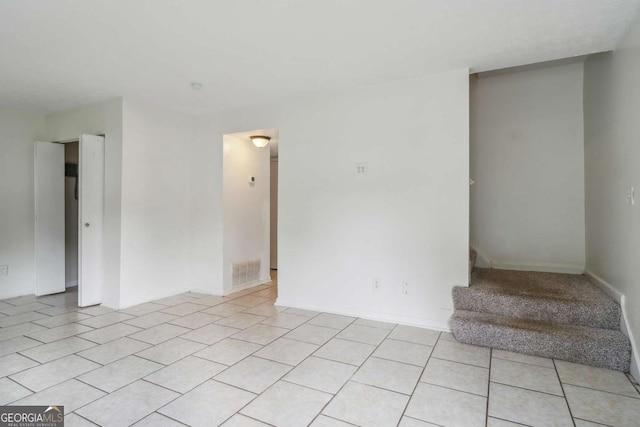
(548, 310)
(611, 354)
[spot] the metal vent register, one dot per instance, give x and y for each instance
(245, 272)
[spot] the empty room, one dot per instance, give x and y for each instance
(319, 213)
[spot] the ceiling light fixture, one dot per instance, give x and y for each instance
(260, 141)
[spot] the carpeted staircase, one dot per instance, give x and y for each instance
(562, 316)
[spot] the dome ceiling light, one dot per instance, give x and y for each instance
(260, 141)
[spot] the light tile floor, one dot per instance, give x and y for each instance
(195, 359)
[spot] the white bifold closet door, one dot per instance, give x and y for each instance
(49, 216)
(50, 219)
(90, 219)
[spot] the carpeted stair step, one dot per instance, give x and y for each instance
(605, 348)
(559, 298)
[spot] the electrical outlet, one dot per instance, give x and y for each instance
(405, 288)
(377, 284)
(4, 270)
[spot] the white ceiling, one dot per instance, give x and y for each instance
(59, 54)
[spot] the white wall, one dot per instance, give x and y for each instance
(147, 226)
(406, 220)
(245, 207)
(527, 160)
(71, 155)
(273, 204)
(18, 132)
(103, 118)
(206, 206)
(612, 151)
(156, 228)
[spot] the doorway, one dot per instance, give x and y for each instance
(249, 209)
(71, 160)
(69, 215)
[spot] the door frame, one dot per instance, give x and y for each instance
(79, 225)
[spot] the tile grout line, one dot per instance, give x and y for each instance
(513, 422)
(453, 389)
(382, 388)
(422, 421)
(461, 363)
(303, 385)
(396, 361)
(524, 363)
(350, 377)
(163, 415)
(594, 422)
(602, 391)
(78, 415)
(486, 418)
(257, 395)
(140, 379)
(337, 419)
(564, 395)
(406, 406)
(250, 417)
(143, 378)
(24, 397)
(529, 389)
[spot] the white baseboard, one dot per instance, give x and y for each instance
(484, 261)
(71, 284)
(620, 298)
(364, 314)
(547, 268)
(160, 295)
(249, 285)
(14, 294)
(110, 304)
(204, 291)
(624, 327)
(606, 287)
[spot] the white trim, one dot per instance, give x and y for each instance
(547, 268)
(14, 294)
(71, 284)
(249, 285)
(624, 327)
(110, 304)
(483, 261)
(203, 291)
(364, 314)
(144, 300)
(606, 287)
(621, 299)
